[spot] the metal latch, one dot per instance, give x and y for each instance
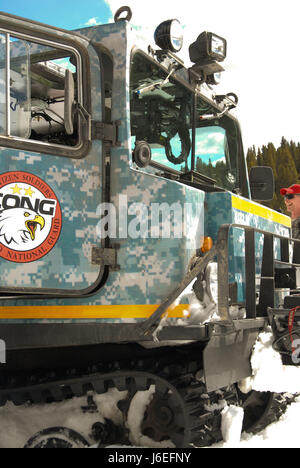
(106, 131)
(106, 257)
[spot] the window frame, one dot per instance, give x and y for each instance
(156, 164)
(84, 92)
(242, 171)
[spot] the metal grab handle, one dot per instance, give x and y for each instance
(121, 10)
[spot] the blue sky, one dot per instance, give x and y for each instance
(68, 14)
(263, 37)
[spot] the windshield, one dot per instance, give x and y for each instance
(161, 112)
(162, 115)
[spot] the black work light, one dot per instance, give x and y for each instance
(214, 78)
(168, 35)
(208, 47)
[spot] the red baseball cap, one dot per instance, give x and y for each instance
(295, 189)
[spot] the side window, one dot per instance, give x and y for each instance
(38, 88)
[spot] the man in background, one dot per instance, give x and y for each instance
(292, 203)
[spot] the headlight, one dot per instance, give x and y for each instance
(169, 36)
(211, 279)
(207, 48)
(218, 47)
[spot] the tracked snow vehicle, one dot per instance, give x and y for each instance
(123, 183)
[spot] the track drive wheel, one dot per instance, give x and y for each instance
(163, 419)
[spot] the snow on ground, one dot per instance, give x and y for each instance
(281, 434)
(269, 374)
(19, 424)
(232, 423)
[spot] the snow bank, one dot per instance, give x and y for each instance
(268, 372)
(281, 434)
(20, 423)
(232, 423)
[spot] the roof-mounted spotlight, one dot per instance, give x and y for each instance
(205, 53)
(169, 35)
(208, 47)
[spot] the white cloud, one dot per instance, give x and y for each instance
(210, 143)
(92, 22)
(262, 64)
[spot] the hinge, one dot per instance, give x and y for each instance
(106, 257)
(106, 131)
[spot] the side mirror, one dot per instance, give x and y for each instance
(69, 102)
(261, 183)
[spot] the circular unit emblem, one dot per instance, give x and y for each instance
(30, 217)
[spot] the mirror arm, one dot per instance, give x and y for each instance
(219, 115)
(213, 116)
(229, 105)
(87, 118)
(156, 85)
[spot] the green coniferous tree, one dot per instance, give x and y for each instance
(259, 158)
(295, 150)
(251, 157)
(286, 170)
(285, 162)
(268, 158)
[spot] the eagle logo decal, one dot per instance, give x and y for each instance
(18, 226)
(30, 217)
